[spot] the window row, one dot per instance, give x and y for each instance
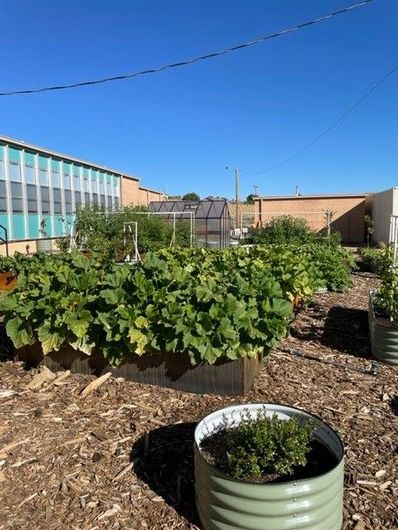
(33, 193)
(105, 185)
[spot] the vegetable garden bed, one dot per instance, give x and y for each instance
(122, 458)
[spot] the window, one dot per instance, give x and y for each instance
(94, 184)
(2, 172)
(56, 179)
(76, 182)
(57, 201)
(95, 198)
(67, 181)
(14, 170)
(30, 174)
(116, 199)
(68, 201)
(16, 197)
(78, 198)
(110, 202)
(45, 199)
(86, 184)
(87, 198)
(3, 199)
(31, 194)
(102, 201)
(43, 177)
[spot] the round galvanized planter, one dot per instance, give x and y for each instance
(225, 503)
(383, 336)
(44, 245)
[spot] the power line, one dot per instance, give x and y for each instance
(188, 61)
(332, 126)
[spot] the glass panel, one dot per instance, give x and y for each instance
(95, 198)
(55, 166)
(76, 183)
(17, 205)
(2, 172)
(110, 202)
(68, 201)
(102, 199)
(29, 159)
(45, 199)
(67, 181)
(56, 179)
(86, 188)
(16, 189)
(14, 171)
(116, 203)
(30, 174)
(43, 162)
(2, 189)
(14, 155)
(78, 198)
(87, 198)
(32, 198)
(67, 168)
(3, 204)
(1, 152)
(43, 177)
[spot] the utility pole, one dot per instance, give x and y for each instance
(237, 197)
(255, 189)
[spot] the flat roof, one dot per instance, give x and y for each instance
(26, 145)
(320, 196)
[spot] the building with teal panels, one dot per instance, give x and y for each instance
(41, 189)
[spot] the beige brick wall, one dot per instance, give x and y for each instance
(20, 246)
(347, 217)
(133, 194)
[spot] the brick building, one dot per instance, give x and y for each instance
(346, 212)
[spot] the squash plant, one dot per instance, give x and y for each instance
(201, 306)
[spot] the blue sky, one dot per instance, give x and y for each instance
(252, 109)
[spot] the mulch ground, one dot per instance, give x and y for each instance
(121, 457)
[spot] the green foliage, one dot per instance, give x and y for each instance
(103, 233)
(374, 259)
(180, 301)
(286, 229)
(386, 297)
(250, 198)
(192, 196)
(261, 447)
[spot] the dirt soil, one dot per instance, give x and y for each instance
(120, 457)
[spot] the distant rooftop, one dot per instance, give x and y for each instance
(32, 147)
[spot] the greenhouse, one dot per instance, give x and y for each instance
(209, 219)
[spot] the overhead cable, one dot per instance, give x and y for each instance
(188, 61)
(332, 126)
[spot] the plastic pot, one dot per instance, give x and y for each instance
(225, 503)
(383, 336)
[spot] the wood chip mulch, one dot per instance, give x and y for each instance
(119, 455)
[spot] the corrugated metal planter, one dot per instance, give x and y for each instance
(383, 336)
(225, 503)
(173, 370)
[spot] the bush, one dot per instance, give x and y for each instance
(287, 229)
(103, 233)
(259, 448)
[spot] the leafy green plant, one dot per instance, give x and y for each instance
(259, 448)
(103, 233)
(198, 305)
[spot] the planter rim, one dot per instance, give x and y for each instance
(277, 406)
(389, 324)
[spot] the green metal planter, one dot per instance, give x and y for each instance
(225, 503)
(383, 336)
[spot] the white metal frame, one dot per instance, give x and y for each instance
(127, 227)
(393, 237)
(174, 214)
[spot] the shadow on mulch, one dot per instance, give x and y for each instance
(394, 405)
(6, 346)
(165, 461)
(345, 330)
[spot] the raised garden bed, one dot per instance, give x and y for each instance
(383, 336)
(172, 370)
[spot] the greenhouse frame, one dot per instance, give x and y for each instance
(211, 219)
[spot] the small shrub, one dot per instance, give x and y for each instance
(260, 448)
